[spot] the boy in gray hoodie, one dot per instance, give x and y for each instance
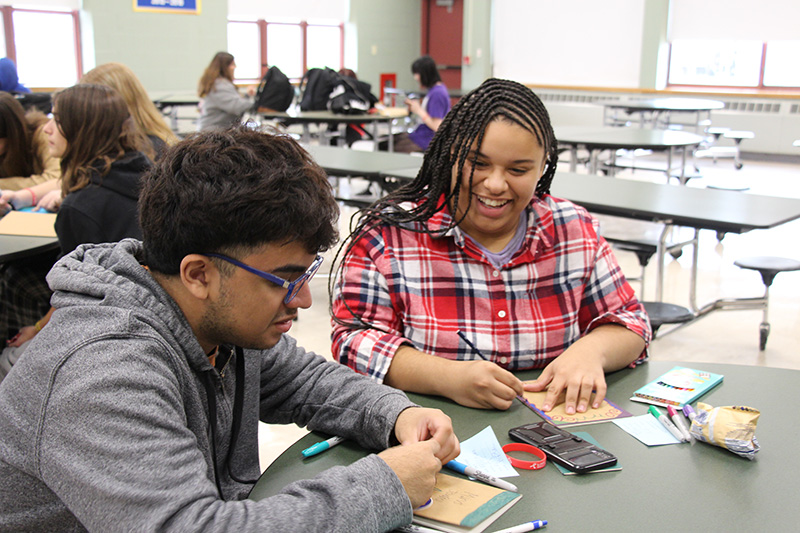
(136, 407)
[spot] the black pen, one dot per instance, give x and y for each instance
(477, 351)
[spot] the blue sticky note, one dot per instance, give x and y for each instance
(647, 430)
(483, 451)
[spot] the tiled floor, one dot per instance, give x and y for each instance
(723, 336)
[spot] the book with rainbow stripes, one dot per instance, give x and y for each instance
(677, 387)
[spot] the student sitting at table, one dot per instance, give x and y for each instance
(477, 244)
(9, 79)
(431, 110)
(25, 158)
(147, 117)
(221, 106)
(137, 407)
(102, 161)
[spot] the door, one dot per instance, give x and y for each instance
(442, 37)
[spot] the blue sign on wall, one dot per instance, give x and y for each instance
(168, 6)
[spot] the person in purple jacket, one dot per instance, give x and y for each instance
(431, 110)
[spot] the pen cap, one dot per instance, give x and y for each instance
(688, 411)
(671, 411)
(653, 410)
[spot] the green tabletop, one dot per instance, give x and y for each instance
(682, 487)
(21, 246)
(626, 138)
(344, 162)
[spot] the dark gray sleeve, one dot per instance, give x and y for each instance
(302, 387)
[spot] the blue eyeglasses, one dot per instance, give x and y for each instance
(293, 287)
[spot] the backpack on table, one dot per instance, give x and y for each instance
(275, 91)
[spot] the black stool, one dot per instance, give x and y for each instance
(768, 267)
(661, 313)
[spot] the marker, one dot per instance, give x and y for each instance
(680, 422)
(666, 423)
(321, 446)
(527, 526)
(461, 468)
(477, 351)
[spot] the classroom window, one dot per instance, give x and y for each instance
(780, 66)
(243, 38)
(728, 63)
(285, 45)
(292, 46)
(39, 65)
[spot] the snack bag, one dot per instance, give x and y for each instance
(731, 427)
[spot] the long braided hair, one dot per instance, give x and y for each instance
(432, 190)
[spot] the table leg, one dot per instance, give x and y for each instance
(573, 158)
(693, 272)
(660, 253)
(683, 179)
(391, 137)
(669, 163)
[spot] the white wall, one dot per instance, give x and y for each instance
(569, 42)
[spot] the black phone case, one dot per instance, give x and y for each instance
(564, 448)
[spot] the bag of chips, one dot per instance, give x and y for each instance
(730, 427)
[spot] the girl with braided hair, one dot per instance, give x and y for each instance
(477, 245)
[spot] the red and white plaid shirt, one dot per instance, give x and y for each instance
(418, 289)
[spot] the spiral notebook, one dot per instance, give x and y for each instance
(459, 505)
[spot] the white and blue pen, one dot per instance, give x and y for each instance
(523, 528)
(461, 468)
(321, 446)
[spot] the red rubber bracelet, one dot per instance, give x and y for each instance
(527, 448)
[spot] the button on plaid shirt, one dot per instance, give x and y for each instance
(420, 289)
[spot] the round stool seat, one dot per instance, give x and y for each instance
(663, 313)
(768, 266)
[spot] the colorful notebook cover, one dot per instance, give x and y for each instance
(677, 387)
(559, 417)
(460, 505)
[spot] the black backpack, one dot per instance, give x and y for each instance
(351, 97)
(316, 88)
(275, 91)
(41, 101)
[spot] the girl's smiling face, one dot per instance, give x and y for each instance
(507, 168)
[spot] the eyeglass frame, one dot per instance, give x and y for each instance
(289, 285)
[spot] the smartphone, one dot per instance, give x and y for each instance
(564, 448)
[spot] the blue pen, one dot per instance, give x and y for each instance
(470, 471)
(474, 348)
(523, 528)
(321, 446)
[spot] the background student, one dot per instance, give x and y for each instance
(9, 80)
(164, 354)
(221, 106)
(102, 162)
(147, 117)
(477, 244)
(143, 112)
(431, 110)
(25, 158)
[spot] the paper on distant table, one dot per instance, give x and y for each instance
(647, 429)
(483, 452)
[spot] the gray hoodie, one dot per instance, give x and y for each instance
(104, 421)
